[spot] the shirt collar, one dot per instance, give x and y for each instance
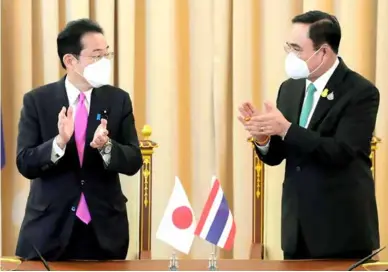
(321, 82)
(73, 93)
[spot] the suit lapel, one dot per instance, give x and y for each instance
(295, 100)
(334, 90)
(98, 103)
(61, 100)
(96, 106)
(321, 109)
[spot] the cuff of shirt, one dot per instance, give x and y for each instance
(105, 158)
(263, 148)
(284, 134)
(56, 152)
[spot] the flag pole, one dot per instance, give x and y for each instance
(173, 262)
(215, 251)
(213, 254)
(213, 82)
(213, 259)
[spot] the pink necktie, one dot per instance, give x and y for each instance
(81, 121)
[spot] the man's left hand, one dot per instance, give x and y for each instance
(271, 122)
(100, 135)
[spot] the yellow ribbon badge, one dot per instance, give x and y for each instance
(325, 92)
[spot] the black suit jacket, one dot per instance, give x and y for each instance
(56, 188)
(328, 187)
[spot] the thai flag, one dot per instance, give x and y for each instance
(2, 149)
(216, 224)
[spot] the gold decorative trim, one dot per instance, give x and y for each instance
(147, 150)
(257, 201)
(12, 262)
(146, 176)
(258, 169)
(376, 266)
(375, 141)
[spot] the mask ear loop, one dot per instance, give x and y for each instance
(319, 66)
(78, 73)
(77, 60)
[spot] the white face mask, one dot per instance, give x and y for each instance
(297, 68)
(98, 73)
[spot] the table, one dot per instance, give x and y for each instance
(198, 265)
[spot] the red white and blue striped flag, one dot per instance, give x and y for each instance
(216, 224)
(2, 149)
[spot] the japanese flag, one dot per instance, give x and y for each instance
(178, 223)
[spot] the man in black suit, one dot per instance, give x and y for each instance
(75, 137)
(322, 126)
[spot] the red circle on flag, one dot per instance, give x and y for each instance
(182, 218)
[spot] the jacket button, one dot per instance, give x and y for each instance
(73, 209)
(298, 168)
(82, 182)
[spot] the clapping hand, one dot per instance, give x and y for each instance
(247, 110)
(248, 113)
(65, 126)
(100, 135)
(271, 122)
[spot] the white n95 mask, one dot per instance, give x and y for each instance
(98, 73)
(297, 68)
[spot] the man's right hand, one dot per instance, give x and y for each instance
(247, 111)
(65, 127)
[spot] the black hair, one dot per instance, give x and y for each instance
(324, 28)
(69, 39)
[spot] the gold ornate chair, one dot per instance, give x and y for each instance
(257, 246)
(375, 140)
(147, 149)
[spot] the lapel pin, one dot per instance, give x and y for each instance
(330, 96)
(325, 92)
(98, 117)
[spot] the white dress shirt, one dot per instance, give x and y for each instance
(73, 97)
(320, 84)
